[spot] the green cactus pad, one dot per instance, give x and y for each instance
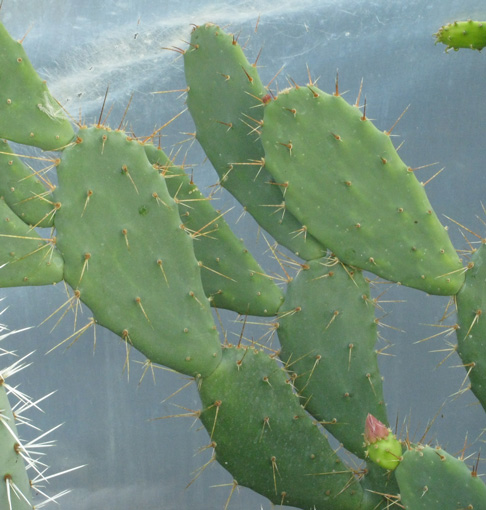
(463, 34)
(23, 191)
(345, 182)
(120, 235)
(327, 332)
(431, 479)
(231, 277)
(28, 112)
(471, 315)
(266, 440)
(225, 99)
(12, 466)
(387, 453)
(25, 257)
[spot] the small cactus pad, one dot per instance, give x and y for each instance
(25, 257)
(231, 277)
(471, 315)
(225, 99)
(126, 255)
(327, 332)
(463, 34)
(431, 479)
(382, 446)
(23, 191)
(15, 490)
(265, 439)
(28, 112)
(345, 181)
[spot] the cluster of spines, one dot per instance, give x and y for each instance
(26, 258)
(23, 470)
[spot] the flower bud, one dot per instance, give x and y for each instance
(374, 430)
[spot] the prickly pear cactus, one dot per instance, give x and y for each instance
(315, 173)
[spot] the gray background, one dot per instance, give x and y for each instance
(80, 48)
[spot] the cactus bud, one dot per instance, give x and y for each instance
(383, 447)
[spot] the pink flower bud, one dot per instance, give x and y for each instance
(374, 430)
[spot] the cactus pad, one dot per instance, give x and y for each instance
(15, 490)
(225, 99)
(463, 34)
(28, 112)
(23, 191)
(25, 257)
(125, 253)
(327, 331)
(345, 181)
(266, 440)
(471, 335)
(431, 479)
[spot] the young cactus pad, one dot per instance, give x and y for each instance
(265, 439)
(25, 257)
(382, 446)
(231, 277)
(126, 255)
(327, 331)
(28, 112)
(471, 335)
(463, 34)
(432, 479)
(225, 99)
(23, 191)
(345, 181)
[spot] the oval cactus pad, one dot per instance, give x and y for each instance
(346, 183)
(119, 232)
(463, 34)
